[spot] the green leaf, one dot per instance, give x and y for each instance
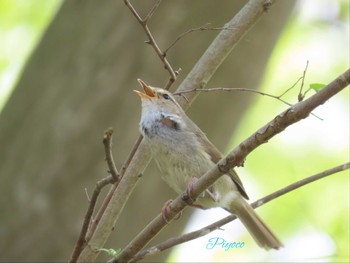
(110, 251)
(317, 86)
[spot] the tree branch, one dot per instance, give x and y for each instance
(236, 157)
(82, 240)
(171, 242)
(114, 177)
(111, 191)
(279, 97)
(151, 40)
(300, 183)
(222, 45)
(301, 96)
(201, 28)
(107, 142)
(198, 77)
(152, 11)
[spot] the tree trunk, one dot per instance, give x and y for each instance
(77, 83)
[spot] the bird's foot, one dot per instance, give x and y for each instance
(189, 198)
(165, 211)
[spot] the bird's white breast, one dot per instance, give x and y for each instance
(176, 151)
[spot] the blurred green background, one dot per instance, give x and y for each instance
(21, 25)
(318, 32)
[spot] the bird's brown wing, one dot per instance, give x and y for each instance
(216, 156)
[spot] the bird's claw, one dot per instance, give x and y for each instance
(165, 211)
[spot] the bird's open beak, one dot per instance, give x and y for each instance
(149, 94)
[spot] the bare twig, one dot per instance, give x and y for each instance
(132, 154)
(152, 11)
(216, 53)
(87, 194)
(292, 115)
(301, 183)
(201, 28)
(289, 89)
(279, 97)
(107, 142)
(110, 193)
(114, 177)
(301, 96)
(151, 40)
(234, 89)
(82, 241)
(171, 242)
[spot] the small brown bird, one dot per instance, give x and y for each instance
(183, 152)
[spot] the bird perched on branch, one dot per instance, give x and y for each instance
(183, 153)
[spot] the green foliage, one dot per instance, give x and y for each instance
(110, 251)
(317, 86)
(22, 23)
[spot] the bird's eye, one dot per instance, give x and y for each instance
(166, 96)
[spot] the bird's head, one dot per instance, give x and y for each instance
(157, 99)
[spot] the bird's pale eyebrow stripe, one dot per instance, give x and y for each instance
(170, 123)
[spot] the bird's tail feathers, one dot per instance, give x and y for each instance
(261, 233)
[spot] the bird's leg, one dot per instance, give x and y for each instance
(189, 191)
(212, 195)
(188, 199)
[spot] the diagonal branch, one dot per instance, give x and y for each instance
(222, 45)
(151, 40)
(112, 178)
(205, 27)
(152, 11)
(111, 191)
(171, 242)
(107, 142)
(82, 240)
(236, 157)
(278, 97)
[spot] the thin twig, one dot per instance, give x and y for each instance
(87, 194)
(301, 96)
(279, 97)
(234, 89)
(289, 89)
(132, 153)
(201, 28)
(134, 12)
(151, 40)
(152, 11)
(113, 178)
(107, 142)
(82, 241)
(110, 193)
(171, 242)
(301, 183)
